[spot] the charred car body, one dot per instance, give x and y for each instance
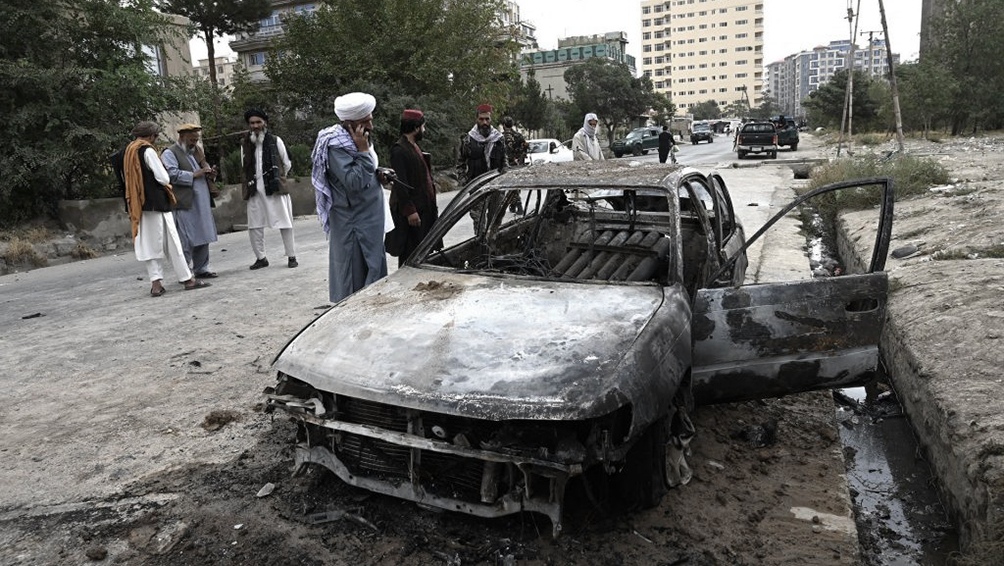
(563, 342)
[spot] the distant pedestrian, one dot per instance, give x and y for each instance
(515, 144)
(666, 144)
(482, 149)
(265, 167)
(585, 144)
(349, 196)
(149, 200)
(413, 204)
(193, 212)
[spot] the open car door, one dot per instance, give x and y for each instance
(774, 339)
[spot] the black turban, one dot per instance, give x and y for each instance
(255, 112)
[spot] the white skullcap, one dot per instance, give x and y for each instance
(354, 106)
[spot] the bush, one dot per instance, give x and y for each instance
(911, 176)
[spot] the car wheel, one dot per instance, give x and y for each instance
(693, 142)
(773, 155)
(644, 152)
(641, 482)
(636, 151)
(741, 155)
(618, 154)
(794, 147)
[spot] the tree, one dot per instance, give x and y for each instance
(707, 110)
(217, 18)
(969, 42)
(826, 104)
(531, 105)
(73, 82)
(607, 89)
(445, 57)
(927, 93)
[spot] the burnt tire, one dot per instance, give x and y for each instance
(640, 483)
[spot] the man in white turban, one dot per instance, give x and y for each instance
(585, 144)
(349, 197)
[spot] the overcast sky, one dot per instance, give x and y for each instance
(790, 26)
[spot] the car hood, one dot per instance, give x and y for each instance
(478, 346)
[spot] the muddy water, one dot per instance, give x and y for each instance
(900, 520)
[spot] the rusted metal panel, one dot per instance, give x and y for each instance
(762, 341)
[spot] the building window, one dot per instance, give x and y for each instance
(645, 10)
(256, 58)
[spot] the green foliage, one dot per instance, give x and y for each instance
(73, 82)
(928, 92)
(707, 110)
(911, 176)
(530, 108)
(968, 42)
(826, 104)
(413, 47)
(299, 156)
(607, 89)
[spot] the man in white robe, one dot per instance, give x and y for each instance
(585, 144)
(149, 200)
(266, 166)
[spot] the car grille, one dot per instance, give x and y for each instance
(441, 474)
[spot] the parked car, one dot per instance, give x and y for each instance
(547, 150)
(757, 137)
(637, 142)
(563, 341)
(701, 132)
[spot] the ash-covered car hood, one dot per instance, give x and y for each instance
(479, 346)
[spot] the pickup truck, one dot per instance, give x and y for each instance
(787, 132)
(757, 137)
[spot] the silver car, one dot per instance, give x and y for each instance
(560, 341)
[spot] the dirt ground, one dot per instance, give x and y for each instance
(780, 504)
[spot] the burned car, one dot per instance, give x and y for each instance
(558, 340)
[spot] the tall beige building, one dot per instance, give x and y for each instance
(700, 50)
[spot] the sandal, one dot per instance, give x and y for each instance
(157, 292)
(195, 284)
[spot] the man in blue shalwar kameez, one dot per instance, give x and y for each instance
(193, 213)
(350, 199)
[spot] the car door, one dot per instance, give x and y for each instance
(774, 339)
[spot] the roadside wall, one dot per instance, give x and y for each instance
(104, 224)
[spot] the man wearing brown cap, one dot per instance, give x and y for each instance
(413, 193)
(193, 212)
(265, 165)
(481, 149)
(149, 200)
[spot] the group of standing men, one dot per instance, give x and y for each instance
(169, 199)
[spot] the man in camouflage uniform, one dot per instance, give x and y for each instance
(515, 143)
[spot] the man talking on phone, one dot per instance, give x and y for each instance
(349, 196)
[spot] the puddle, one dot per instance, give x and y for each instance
(901, 521)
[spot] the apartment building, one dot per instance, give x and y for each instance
(549, 65)
(793, 79)
(701, 50)
(172, 57)
(226, 66)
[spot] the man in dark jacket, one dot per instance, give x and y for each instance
(413, 194)
(481, 149)
(665, 144)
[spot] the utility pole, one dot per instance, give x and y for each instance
(892, 79)
(848, 114)
(871, 49)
